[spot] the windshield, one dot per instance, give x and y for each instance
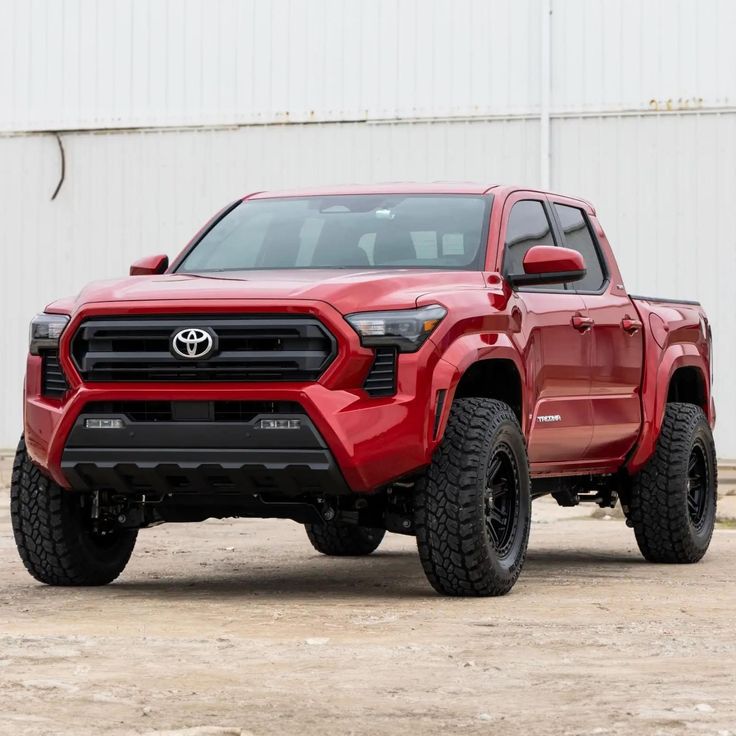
(346, 231)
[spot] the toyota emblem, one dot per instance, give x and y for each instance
(192, 343)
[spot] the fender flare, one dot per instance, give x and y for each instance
(655, 389)
(465, 352)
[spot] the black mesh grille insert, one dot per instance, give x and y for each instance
(381, 380)
(248, 348)
(200, 411)
(53, 380)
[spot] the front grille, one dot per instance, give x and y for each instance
(381, 380)
(249, 348)
(192, 411)
(53, 380)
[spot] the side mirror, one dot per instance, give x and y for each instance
(547, 264)
(149, 266)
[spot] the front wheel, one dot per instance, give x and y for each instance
(673, 498)
(473, 506)
(54, 533)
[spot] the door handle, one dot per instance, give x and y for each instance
(630, 325)
(582, 324)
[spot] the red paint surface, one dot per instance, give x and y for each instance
(548, 258)
(607, 384)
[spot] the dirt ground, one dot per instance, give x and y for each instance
(239, 627)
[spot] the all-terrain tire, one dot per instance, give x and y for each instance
(343, 540)
(672, 521)
(461, 548)
(54, 538)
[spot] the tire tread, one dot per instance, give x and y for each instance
(658, 509)
(448, 523)
(48, 544)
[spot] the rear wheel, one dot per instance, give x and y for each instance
(56, 538)
(335, 538)
(673, 498)
(473, 506)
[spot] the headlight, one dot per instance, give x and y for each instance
(45, 331)
(407, 329)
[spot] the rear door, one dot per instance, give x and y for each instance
(617, 345)
(556, 353)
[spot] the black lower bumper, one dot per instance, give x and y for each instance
(193, 457)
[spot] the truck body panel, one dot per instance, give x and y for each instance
(594, 366)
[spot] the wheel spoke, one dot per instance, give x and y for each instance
(492, 534)
(495, 467)
(500, 500)
(697, 485)
(498, 516)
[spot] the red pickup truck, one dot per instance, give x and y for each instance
(422, 359)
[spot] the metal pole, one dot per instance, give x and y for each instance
(545, 83)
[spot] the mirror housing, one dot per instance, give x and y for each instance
(548, 264)
(150, 265)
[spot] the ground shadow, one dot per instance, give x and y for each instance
(580, 558)
(391, 574)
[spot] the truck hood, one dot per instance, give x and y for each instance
(347, 290)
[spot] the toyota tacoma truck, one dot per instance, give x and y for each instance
(419, 359)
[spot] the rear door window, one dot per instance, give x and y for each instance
(578, 236)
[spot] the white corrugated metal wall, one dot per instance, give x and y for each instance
(169, 108)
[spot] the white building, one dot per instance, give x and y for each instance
(167, 109)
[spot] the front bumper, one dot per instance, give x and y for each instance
(160, 458)
(360, 443)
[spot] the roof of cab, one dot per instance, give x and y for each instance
(439, 187)
(436, 187)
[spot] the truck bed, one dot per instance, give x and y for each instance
(664, 300)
